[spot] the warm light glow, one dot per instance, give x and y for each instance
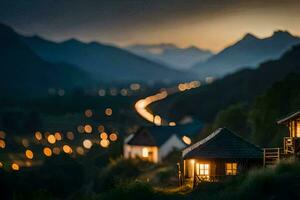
(103, 136)
(104, 143)
(56, 150)
(145, 152)
(187, 140)
(67, 149)
(135, 86)
(88, 128)
(87, 144)
(1, 164)
(51, 139)
(88, 113)
(157, 120)
(172, 124)
(108, 111)
(80, 129)
(29, 154)
(113, 137)
(57, 136)
(47, 151)
(2, 144)
(80, 150)
(15, 167)
(231, 168)
(38, 135)
(70, 135)
(2, 135)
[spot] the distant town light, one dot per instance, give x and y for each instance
(15, 167)
(172, 124)
(47, 151)
(38, 135)
(2, 144)
(67, 149)
(104, 143)
(51, 139)
(58, 136)
(103, 136)
(2, 135)
(88, 113)
(87, 144)
(108, 111)
(113, 137)
(29, 154)
(88, 128)
(70, 135)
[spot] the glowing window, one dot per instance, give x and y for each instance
(231, 168)
(202, 169)
(145, 152)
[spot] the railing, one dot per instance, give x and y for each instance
(271, 156)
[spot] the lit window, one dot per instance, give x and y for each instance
(145, 152)
(231, 168)
(202, 169)
(298, 129)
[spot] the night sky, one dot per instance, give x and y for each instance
(211, 24)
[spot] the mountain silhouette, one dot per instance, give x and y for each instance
(242, 86)
(247, 52)
(23, 71)
(105, 62)
(171, 55)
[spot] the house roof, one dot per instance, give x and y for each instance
(222, 143)
(158, 135)
(289, 118)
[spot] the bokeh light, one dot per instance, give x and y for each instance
(29, 154)
(103, 136)
(51, 139)
(104, 143)
(56, 150)
(58, 136)
(108, 111)
(80, 129)
(87, 144)
(47, 151)
(186, 140)
(113, 137)
(25, 143)
(88, 113)
(101, 128)
(88, 128)
(67, 149)
(15, 167)
(2, 135)
(80, 150)
(70, 135)
(38, 135)
(2, 144)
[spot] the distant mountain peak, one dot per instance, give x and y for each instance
(282, 33)
(249, 36)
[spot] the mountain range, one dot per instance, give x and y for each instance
(24, 72)
(243, 86)
(171, 55)
(104, 62)
(247, 52)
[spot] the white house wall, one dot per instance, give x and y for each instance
(172, 143)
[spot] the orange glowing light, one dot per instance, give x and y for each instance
(1, 164)
(108, 111)
(47, 151)
(67, 149)
(88, 113)
(87, 144)
(15, 167)
(2, 144)
(88, 128)
(38, 135)
(104, 143)
(186, 140)
(51, 139)
(103, 136)
(172, 124)
(58, 136)
(113, 137)
(29, 154)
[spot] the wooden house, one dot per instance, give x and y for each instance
(291, 143)
(157, 142)
(221, 154)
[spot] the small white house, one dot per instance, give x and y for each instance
(157, 142)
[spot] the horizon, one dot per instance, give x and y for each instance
(205, 24)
